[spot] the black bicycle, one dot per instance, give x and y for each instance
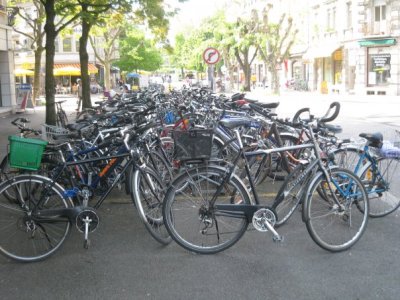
(212, 212)
(36, 223)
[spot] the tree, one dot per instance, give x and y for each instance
(90, 12)
(244, 46)
(36, 22)
(275, 42)
(137, 52)
(52, 29)
(104, 42)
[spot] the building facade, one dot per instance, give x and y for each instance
(352, 47)
(7, 83)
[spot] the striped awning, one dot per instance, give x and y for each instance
(72, 69)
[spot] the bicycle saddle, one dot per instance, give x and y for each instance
(374, 139)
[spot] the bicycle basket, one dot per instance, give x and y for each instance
(193, 144)
(54, 134)
(26, 153)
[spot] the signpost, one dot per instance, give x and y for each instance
(211, 56)
(24, 97)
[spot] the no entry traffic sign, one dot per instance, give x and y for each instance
(211, 56)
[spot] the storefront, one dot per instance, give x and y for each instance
(325, 70)
(380, 68)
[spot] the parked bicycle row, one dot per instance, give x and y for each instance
(192, 162)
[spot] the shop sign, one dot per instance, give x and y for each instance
(380, 62)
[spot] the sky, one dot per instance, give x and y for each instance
(191, 13)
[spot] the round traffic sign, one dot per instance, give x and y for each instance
(211, 56)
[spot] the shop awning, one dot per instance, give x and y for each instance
(22, 72)
(321, 51)
(377, 42)
(72, 69)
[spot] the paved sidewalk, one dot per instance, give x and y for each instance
(36, 115)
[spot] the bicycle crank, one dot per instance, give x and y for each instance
(264, 220)
(87, 221)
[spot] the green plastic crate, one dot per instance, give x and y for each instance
(26, 153)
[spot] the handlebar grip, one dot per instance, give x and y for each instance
(336, 106)
(297, 115)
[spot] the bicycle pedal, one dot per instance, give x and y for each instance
(86, 244)
(278, 239)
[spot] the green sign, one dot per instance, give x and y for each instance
(377, 43)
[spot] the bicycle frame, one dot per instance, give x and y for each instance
(248, 210)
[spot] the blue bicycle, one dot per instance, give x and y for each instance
(378, 169)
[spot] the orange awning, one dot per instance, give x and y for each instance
(72, 69)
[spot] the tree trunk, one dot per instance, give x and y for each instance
(37, 75)
(107, 75)
(51, 35)
(84, 59)
(275, 80)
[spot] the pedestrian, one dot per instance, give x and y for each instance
(253, 80)
(79, 84)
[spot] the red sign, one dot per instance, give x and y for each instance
(211, 56)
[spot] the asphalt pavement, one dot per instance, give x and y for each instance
(124, 262)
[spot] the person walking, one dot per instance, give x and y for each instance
(79, 84)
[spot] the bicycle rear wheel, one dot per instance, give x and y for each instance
(383, 187)
(148, 194)
(193, 222)
(332, 228)
(23, 235)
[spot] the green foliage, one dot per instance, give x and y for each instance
(137, 52)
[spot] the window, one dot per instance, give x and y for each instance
(380, 19)
(67, 45)
(333, 26)
(328, 19)
(378, 68)
(56, 42)
(349, 16)
(380, 13)
(77, 44)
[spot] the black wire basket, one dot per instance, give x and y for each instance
(193, 144)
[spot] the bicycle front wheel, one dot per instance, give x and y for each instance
(193, 221)
(23, 235)
(148, 194)
(336, 225)
(383, 187)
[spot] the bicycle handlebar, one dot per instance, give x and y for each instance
(334, 105)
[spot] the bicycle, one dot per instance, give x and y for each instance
(215, 209)
(378, 172)
(36, 225)
(61, 116)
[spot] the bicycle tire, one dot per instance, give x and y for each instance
(320, 213)
(6, 173)
(190, 223)
(347, 158)
(156, 161)
(147, 194)
(383, 189)
(23, 236)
